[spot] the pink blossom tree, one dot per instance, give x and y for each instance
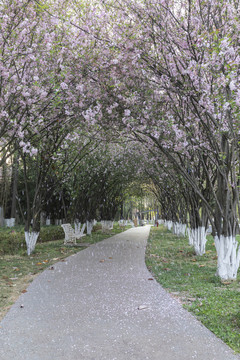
(185, 79)
(46, 93)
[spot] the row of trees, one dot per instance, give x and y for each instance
(182, 94)
(47, 130)
(163, 74)
(93, 187)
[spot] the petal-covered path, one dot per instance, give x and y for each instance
(100, 305)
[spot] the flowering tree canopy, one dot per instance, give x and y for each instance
(164, 74)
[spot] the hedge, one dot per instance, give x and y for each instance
(12, 240)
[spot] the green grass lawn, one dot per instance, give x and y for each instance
(18, 270)
(192, 280)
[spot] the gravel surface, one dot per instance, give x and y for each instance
(99, 304)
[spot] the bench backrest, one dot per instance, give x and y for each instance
(69, 232)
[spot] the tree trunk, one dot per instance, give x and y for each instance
(1, 216)
(31, 239)
(14, 186)
(197, 238)
(179, 229)
(89, 227)
(31, 236)
(226, 219)
(228, 251)
(28, 214)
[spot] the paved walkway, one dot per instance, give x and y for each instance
(90, 309)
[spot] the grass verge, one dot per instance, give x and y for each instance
(191, 279)
(18, 270)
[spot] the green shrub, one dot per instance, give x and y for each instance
(236, 319)
(97, 227)
(11, 242)
(51, 233)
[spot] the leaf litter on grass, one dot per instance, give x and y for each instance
(23, 269)
(191, 280)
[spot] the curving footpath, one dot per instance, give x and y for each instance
(100, 305)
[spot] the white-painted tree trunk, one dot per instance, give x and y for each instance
(89, 227)
(77, 226)
(197, 238)
(228, 251)
(175, 228)
(31, 239)
(179, 229)
(183, 228)
(48, 222)
(169, 225)
(190, 236)
(83, 228)
(10, 222)
(78, 230)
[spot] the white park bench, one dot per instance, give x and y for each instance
(122, 224)
(70, 235)
(107, 225)
(131, 223)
